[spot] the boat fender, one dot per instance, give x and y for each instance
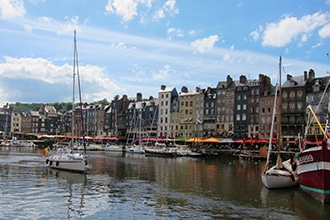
(57, 163)
(50, 163)
(86, 163)
(47, 161)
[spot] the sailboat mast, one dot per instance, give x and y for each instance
(279, 121)
(76, 67)
(73, 86)
(279, 114)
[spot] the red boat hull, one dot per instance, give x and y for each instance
(314, 172)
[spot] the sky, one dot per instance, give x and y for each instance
(127, 47)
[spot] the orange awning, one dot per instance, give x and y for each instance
(211, 140)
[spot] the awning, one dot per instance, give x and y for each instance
(211, 140)
(195, 139)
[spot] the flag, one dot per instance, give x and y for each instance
(45, 151)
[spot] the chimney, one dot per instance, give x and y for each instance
(305, 75)
(242, 79)
(288, 77)
(184, 89)
(139, 96)
(229, 81)
(311, 75)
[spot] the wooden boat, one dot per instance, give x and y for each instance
(254, 155)
(283, 174)
(64, 158)
(314, 167)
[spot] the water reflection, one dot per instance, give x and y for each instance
(72, 187)
(132, 186)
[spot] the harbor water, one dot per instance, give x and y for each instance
(135, 186)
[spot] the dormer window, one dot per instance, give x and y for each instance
(316, 86)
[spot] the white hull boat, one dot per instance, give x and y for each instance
(64, 160)
(275, 178)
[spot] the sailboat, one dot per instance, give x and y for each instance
(64, 158)
(137, 148)
(283, 174)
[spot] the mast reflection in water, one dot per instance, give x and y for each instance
(132, 186)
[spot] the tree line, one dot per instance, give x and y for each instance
(59, 106)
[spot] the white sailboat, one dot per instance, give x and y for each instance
(137, 148)
(64, 158)
(282, 175)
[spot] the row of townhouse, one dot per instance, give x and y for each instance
(234, 109)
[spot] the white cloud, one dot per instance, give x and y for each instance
(159, 14)
(127, 9)
(168, 7)
(191, 32)
(147, 3)
(226, 57)
(12, 8)
(325, 31)
(120, 45)
(70, 24)
(174, 32)
(163, 73)
(43, 71)
(256, 34)
(290, 28)
(205, 44)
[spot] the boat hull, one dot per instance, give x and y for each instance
(275, 179)
(159, 152)
(67, 164)
(314, 172)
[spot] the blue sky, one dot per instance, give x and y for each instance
(130, 46)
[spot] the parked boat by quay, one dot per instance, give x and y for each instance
(314, 166)
(282, 174)
(113, 147)
(164, 152)
(135, 149)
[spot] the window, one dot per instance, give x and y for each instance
(238, 117)
(285, 106)
(292, 95)
(292, 106)
(284, 95)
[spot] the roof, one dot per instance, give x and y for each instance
(294, 81)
